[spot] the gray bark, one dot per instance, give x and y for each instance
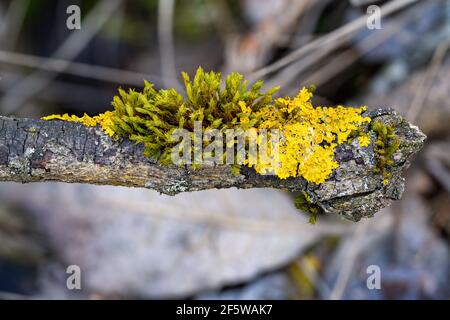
(36, 151)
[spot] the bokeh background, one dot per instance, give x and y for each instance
(246, 244)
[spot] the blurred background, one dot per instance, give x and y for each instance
(246, 244)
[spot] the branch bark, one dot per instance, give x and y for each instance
(36, 151)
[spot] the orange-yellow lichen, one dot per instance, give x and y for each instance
(309, 134)
(102, 119)
(364, 140)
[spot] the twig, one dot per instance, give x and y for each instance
(348, 57)
(70, 49)
(37, 151)
(319, 283)
(427, 81)
(349, 262)
(166, 46)
(96, 72)
(12, 23)
(336, 36)
(250, 51)
(86, 94)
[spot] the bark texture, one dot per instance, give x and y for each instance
(36, 151)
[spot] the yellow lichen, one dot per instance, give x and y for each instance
(102, 119)
(309, 134)
(364, 140)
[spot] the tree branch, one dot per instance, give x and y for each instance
(37, 151)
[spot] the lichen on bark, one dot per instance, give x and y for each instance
(306, 143)
(38, 151)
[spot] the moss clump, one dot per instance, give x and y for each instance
(303, 202)
(386, 144)
(151, 116)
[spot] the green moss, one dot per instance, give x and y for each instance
(151, 116)
(386, 145)
(303, 202)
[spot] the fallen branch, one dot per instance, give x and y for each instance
(37, 151)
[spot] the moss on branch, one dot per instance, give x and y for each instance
(333, 156)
